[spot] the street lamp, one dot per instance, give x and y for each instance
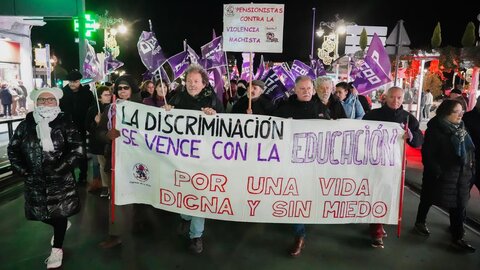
(331, 41)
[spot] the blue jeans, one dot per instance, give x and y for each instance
(197, 225)
(299, 230)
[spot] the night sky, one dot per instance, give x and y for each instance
(174, 21)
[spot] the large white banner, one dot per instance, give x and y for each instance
(256, 168)
(253, 27)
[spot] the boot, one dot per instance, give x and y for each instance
(297, 247)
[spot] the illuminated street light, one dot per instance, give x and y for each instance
(331, 41)
(122, 29)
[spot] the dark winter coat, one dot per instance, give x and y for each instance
(76, 105)
(50, 189)
(293, 108)
(400, 116)
(446, 181)
(472, 123)
(332, 110)
(205, 99)
(95, 146)
(6, 96)
(262, 105)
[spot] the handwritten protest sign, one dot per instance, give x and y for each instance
(256, 168)
(253, 27)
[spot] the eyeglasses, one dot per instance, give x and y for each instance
(46, 100)
(459, 112)
(123, 87)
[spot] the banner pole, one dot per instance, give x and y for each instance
(402, 182)
(228, 75)
(250, 75)
(112, 185)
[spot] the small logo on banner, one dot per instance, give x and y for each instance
(141, 172)
(229, 11)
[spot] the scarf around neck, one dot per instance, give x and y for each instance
(43, 116)
(460, 138)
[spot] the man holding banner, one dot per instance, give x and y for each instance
(393, 111)
(198, 95)
(300, 106)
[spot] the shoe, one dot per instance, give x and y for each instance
(55, 258)
(377, 243)
(297, 247)
(105, 193)
(384, 234)
(196, 245)
(421, 228)
(184, 227)
(463, 245)
(112, 241)
(68, 227)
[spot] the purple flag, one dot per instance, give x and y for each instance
(318, 67)
(150, 52)
(285, 76)
(216, 80)
(161, 73)
(274, 88)
(179, 63)
(260, 69)
(110, 63)
(213, 51)
(91, 65)
(246, 66)
(301, 69)
(374, 71)
(192, 55)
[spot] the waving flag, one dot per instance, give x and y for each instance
(192, 55)
(150, 52)
(179, 63)
(260, 69)
(246, 66)
(301, 69)
(374, 71)
(318, 67)
(91, 65)
(235, 74)
(285, 76)
(274, 88)
(213, 53)
(110, 63)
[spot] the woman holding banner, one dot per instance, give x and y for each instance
(158, 96)
(197, 95)
(125, 89)
(448, 158)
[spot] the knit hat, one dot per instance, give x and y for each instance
(74, 75)
(259, 83)
(56, 92)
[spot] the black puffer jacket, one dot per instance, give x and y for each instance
(446, 181)
(293, 108)
(76, 105)
(50, 189)
(400, 116)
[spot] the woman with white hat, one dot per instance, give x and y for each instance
(43, 150)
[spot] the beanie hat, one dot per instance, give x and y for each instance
(56, 92)
(259, 83)
(74, 75)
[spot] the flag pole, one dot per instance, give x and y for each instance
(112, 185)
(402, 182)
(250, 75)
(228, 75)
(161, 84)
